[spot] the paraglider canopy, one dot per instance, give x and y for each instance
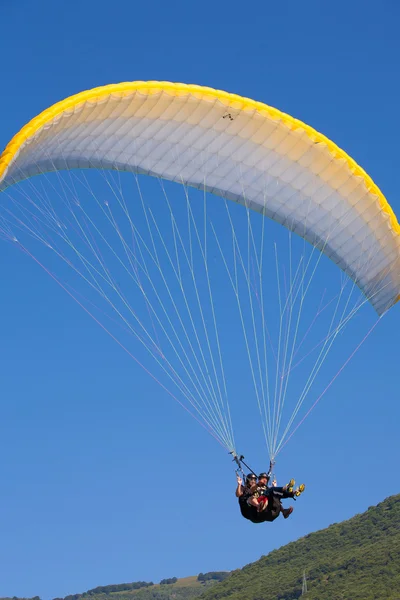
(205, 138)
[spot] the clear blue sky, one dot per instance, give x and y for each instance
(86, 438)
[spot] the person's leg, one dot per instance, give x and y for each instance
(286, 512)
(281, 492)
(253, 501)
(262, 503)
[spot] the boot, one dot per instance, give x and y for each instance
(289, 487)
(300, 489)
(287, 512)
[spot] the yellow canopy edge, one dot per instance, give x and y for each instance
(177, 89)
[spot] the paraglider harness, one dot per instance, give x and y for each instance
(244, 508)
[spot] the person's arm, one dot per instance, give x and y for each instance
(254, 496)
(239, 488)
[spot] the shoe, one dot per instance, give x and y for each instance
(290, 486)
(300, 490)
(287, 512)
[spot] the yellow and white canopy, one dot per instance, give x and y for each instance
(233, 147)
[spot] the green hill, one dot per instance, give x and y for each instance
(171, 588)
(358, 559)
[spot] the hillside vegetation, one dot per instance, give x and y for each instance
(358, 559)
